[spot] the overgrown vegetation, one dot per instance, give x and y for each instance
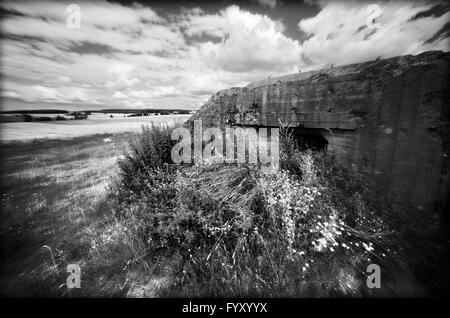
(309, 229)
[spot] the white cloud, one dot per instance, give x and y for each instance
(135, 57)
(339, 34)
(120, 95)
(44, 93)
(155, 92)
(59, 94)
(102, 22)
(10, 94)
(64, 79)
(75, 95)
(249, 41)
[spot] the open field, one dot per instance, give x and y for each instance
(95, 124)
(50, 192)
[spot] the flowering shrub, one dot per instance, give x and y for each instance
(238, 230)
(287, 199)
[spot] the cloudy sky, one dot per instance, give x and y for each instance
(175, 54)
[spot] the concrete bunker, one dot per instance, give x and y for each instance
(388, 120)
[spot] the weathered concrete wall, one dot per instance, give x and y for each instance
(387, 118)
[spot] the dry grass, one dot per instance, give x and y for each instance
(51, 194)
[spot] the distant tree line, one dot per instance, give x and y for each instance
(75, 116)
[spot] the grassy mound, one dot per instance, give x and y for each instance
(305, 230)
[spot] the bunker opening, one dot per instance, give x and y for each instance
(310, 138)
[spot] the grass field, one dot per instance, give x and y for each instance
(95, 124)
(51, 194)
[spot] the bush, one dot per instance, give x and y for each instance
(246, 232)
(145, 166)
(238, 230)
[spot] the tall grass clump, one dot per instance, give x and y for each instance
(139, 199)
(305, 229)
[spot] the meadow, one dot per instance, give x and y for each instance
(95, 124)
(50, 192)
